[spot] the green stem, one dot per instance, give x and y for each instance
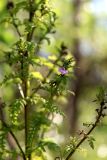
(26, 83)
(26, 114)
(14, 24)
(25, 91)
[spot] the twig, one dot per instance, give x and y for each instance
(10, 131)
(15, 25)
(88, 133)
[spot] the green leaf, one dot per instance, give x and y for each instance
(36, 124)
(52, 57)
(20, 5)
(101, 95)
(50, 144)
(3, 134)
(48, 64)
(15, 109)
(36, 75)
(91, 144)
(53, 108)
(91, 141)
(9, 79)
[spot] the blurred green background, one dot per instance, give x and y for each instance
(82, 26)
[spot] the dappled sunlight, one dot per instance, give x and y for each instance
(102, 151)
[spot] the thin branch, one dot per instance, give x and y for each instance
(88, 133)
(13, 135)
(10, 142)
(14, 24)
(10, 6)
(10, 131)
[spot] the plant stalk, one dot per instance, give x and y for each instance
(26, 83)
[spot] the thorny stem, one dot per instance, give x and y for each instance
(88, 133)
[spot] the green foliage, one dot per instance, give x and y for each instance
(50, 144)
(71, 146)
(15, 109)
(35, 126)
(3, 134)
(91, 141)
(101, 95)
(36, 80)
(52, 108)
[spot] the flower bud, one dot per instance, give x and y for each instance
(10, 5)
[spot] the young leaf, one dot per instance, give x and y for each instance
(91, 141)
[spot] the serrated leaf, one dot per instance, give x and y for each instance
(15, 109)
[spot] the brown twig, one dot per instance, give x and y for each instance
(100, 114)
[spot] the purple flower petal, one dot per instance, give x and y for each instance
(63, 71)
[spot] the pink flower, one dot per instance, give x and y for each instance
(63, 71)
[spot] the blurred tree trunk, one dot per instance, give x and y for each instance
(76, 84)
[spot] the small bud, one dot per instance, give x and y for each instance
(102, 103)
(64, 49)
(57, 158)
(105, 107)
(97, 110)
(10, 5)
(103, 115)
(81, 132)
